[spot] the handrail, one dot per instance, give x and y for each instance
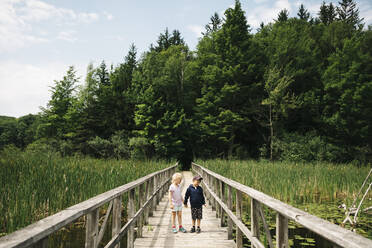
(335, 234)
(38, 232)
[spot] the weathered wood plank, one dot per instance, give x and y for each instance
(229, 205)
(92, 229)
(131, 212)
(335, 234)
(222, 196)
(255, 224)
(104, 224)
(116, 217)
(116, 239)
(239, 224)
(239, 236)
(31, 234)
(281, 231)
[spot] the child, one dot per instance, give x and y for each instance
(195, 192)
(175, 202)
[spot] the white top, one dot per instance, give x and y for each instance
(176, 194)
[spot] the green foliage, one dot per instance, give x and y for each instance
(36, 184)
(237, 92)
(305, 148)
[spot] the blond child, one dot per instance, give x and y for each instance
(175, 202)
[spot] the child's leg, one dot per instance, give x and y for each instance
(173, 218)
(198, 221)
(193, 222)
(179, 214)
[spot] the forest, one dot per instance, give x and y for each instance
(297, 88)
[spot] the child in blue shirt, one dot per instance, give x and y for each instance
(197, 200)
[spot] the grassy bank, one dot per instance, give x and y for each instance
(35, 185)
(317, 188)
(294, 183)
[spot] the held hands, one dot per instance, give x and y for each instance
(171, 206)
(205, 205)
(185, 205)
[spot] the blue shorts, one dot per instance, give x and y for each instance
(177, 208)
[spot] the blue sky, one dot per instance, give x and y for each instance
(39, 39)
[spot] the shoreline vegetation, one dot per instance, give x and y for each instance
(36, 185)
(317, 188)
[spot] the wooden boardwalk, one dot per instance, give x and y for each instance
(158, 232)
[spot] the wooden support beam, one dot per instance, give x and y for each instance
(222, 196)
(42, 243)
(131, 212)
(140, 203)
(266, 227)
(104, 224)
(91, 233)
(147, 194)
(239, 237)
(116, 217)
(255, 218)
(229, 205)
(281, 231)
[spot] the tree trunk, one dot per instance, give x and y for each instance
(271, 133)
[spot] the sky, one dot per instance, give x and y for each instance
(40, 39)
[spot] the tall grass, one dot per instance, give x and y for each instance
(35, 185)
(295, 183)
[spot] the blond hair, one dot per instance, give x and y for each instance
(176, 176)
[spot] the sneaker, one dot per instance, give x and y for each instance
(174, 230)
(198, 230)
(182, 229)
(192, 229)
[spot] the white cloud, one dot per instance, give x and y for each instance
(108, 15)
(69, 36)
(365, 9)
(26, 87)
(196, 29)
(19, 17)
(266, 12)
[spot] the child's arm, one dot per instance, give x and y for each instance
(170, 199)
(203, 198)
(187, 195)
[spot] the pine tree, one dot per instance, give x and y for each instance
(283, 16)
(303, 14)
(214, 24)
(348, 12)
(327, 13)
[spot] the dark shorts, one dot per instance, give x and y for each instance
(196, 213)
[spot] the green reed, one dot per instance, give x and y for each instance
(295, 183)
(36, 185)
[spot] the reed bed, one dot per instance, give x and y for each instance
(36, 185)
(295, 183)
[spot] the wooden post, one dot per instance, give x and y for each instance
(255, 215)
(140, 203)
(215, 189)
(229, 205)
(222, 197)
(281, 231)
(92, 229)
(131, 209)
(43, 243)
(239, 237)
(116, 217)
(147, 209)
(155, 184)
(151, 191)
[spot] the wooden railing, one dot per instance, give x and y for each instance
(150, 189)
(219, 191)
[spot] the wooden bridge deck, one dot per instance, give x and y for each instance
(158, 231)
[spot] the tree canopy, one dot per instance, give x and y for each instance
(297, 82)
